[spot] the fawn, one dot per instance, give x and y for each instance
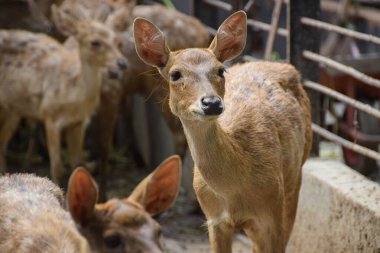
(32, 218)
(248, 130)
(57, 84)
(124, 225)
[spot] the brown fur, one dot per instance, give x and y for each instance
(32, 218)
(53, 83)
(127, 221)
(248, 159)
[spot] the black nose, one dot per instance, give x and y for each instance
(212, 105)
(122, 63)
(113, 74)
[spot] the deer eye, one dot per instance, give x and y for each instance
(112, 241)
(174, 76)
(96, 44)
(221, 72)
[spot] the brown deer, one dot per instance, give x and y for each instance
(56, 84)
(124, 225)
(248, 130)
(32, 218)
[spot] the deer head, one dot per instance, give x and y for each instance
(196, 76)
(124, 225)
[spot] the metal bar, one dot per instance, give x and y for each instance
(350, 101)
(340, 30)
(343, 68)
(219, 4)
(248, 5)
(273, 30)
(303, 38)
(370, 14)
(266, 27)
(345, 143)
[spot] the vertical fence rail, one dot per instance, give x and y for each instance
(303, 38)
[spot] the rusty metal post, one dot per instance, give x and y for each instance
(302, 38)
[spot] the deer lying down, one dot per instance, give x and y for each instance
(57, 84)
(32, 219)
(248, 130)
(124, 225)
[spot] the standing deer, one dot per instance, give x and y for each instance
(124, 225)
(32, 218)
(56, 84)
(248, 130)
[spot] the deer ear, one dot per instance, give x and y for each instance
(158, 191)
(230, 38)
(82, 195)
(64, 22)
(150, 43)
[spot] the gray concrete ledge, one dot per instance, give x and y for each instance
(338, 211)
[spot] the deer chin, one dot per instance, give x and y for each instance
(199, 115)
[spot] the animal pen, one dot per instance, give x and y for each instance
(309, 34)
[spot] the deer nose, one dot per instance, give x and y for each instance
(212, 105)
(122, 63)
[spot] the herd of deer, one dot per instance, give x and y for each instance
(247, 127)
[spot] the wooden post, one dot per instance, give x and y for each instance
(302, 38)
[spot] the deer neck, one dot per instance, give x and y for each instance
(214, 152)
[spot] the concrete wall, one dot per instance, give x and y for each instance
(338, 211)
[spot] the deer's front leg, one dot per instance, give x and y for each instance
(74, 142)
(53, 137)
(220, 231)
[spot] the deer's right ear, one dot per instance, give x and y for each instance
(82, 195)
(63, 21)
(150, 43)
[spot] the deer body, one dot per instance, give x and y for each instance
(32, 218)
(248, 131)
(57, 84)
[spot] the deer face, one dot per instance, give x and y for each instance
(120, 226)
(196, 76)
(196, 81)
(99, 46)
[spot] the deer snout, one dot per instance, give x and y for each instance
(212, 105)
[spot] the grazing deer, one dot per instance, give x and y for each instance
(32, 218)
(56, 84)
(248, 130)
(124, 225)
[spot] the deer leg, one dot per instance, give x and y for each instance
(220, 237)
(7, 129)
(53, 137)
(266, 232)
(74, 141)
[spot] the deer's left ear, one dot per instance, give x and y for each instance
(230, 38)
(150, 43)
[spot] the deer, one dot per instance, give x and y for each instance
(124, 225)
(56, 84)
(33, 218)
(248, 130)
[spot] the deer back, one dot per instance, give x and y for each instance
(32, 218)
